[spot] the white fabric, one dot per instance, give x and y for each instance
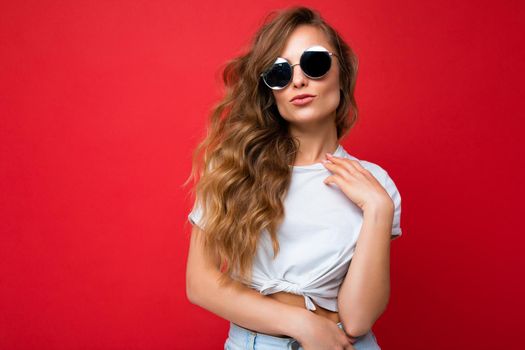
(317, 237)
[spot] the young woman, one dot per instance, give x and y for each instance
(290, 246)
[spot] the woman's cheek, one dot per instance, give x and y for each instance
(281, 107)
(332, 100)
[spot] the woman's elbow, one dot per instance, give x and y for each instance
(355, 328)
(356, 332)
(196, 285)
(190, 293)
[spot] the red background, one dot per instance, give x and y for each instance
(101, 104)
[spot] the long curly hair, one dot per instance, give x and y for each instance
(242, 168)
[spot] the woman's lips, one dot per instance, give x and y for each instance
(302, 101)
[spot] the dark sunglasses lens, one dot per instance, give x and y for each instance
(279, 75)
(315, 63)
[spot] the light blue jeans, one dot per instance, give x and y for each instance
(240, 338)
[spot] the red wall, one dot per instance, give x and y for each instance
(101, 104)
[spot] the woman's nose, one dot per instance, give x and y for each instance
(299, 79)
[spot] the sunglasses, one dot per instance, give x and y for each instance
(315, 62)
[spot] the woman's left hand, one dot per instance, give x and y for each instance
(357, 183)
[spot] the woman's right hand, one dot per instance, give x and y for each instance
(320, 333)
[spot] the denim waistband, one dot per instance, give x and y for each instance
(248, 338)
(239, 332)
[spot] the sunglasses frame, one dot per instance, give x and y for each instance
(293, 65)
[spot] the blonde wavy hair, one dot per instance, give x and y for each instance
(242, 167)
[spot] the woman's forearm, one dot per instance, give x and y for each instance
(247, 307)
(365, 291)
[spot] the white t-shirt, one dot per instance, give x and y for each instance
(317, 238)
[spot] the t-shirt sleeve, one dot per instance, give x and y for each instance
(195, 215)
(396, 197)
